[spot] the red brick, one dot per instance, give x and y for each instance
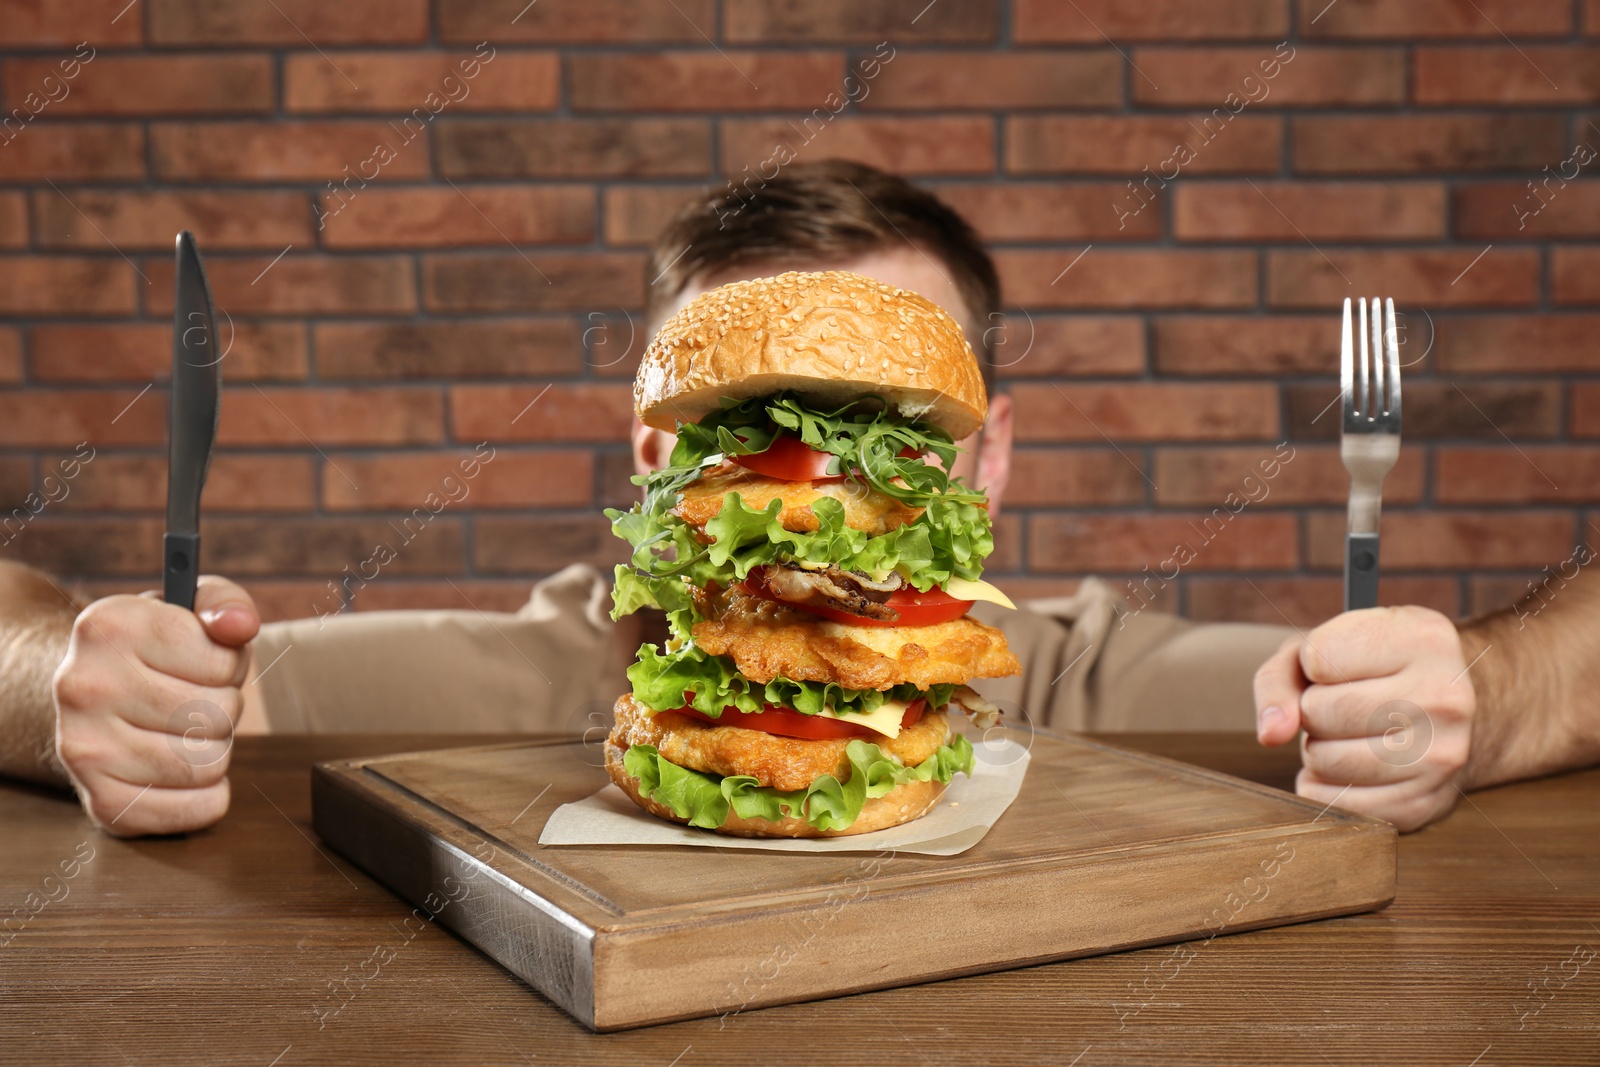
(330, 416)
(293, 598)
(506, 545)
(1307, 602)
(1007, 555)
(319, 546)
(13, 220)
(89, 151)
(1130, 543)
(37, 286)
(61, 23)
(488, 595)
(1502, 75)
(1442, 278)
(703, 81)
(153, 84)
(1300, 474)
(1125, 278)
(296, 285)
(1451, 540)
(400, 82)
(79, 545)
(1246, 345)
(1488, 594)
(1585, 410)
(449, 350)
(540, 281)
(1543, 207)
(560, 412)
(141, 352)
(147, 221)
(1498, 344)
(1402, 144)
(1591, 17)
(1154, 411)
(1258, 77)
(1095, 20)
(16, 482)
(1308, 211)
(922, 145)
(1436, 409)
(1056, 477)
(1051, 211)
(288, 22)
(234, 482)
(1575, 274)
(564, 148)
(902, 21)
(505, 480)
(288, 151)
(49, 418)
(1246, 144)
(1432, 18)
(966, 81)
(575, 21)
(465, 215)
(636, 214)
(10, 356)
(1083, 346)
(1527, 475)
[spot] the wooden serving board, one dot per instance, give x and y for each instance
(1104, 849)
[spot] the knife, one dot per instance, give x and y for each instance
(192, 422)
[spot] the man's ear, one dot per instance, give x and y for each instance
(994, 451)
(646, 449)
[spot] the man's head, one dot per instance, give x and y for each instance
(837, 215)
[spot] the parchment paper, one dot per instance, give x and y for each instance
(963, 815)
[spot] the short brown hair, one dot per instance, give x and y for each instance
(820, 212)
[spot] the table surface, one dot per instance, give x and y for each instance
(234, 945)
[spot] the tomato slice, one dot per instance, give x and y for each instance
(916, 609)
(786, 722)
(790, 459)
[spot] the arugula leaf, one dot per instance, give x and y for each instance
(665, 681)
(827, 804)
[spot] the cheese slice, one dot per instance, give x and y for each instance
(885, 720)
(967, 589)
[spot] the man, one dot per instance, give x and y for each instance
(140, 714)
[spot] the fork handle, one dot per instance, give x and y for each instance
(1360, 571)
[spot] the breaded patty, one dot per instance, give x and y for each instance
(865, 508)
(768, 640)
(782, 762)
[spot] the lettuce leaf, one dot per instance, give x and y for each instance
(826, 804)
(664, 681)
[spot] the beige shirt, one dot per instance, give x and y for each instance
(1090, 662)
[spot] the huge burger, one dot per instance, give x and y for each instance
(814, 558)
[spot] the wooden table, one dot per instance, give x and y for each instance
(226, 947)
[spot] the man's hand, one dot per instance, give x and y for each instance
(146, 701)
(1387, 706)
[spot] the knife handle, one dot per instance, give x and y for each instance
(1360, 571)
(180, 568)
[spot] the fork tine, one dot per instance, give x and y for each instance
(1363, 396)
(1391, 359)
(1347, 364)
(1378, 397)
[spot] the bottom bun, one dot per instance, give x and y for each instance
(905, 802)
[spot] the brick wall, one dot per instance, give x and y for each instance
(1177, 200)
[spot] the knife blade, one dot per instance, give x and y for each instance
(192, 421)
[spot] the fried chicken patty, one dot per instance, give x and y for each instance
(865, 508)
(768, 640)
(782, 762)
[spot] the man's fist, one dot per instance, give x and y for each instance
(146, 702)
(1386, 704)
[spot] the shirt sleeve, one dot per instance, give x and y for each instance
(1091, 662)
(555, 665)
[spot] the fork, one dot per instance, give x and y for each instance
(1370, 442)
